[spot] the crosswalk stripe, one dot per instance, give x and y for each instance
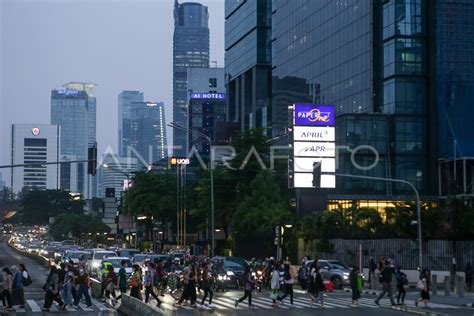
(34, 307)
(253, 303)
(348, 301)
(85, 308)
(287, 305)
(316, 304)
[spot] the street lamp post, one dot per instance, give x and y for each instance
(211, 174)
(418, 207)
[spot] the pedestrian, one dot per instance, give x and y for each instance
(318, 284)
(303, 276)
(122, 278)
(424, 287)
(149, 282)
(18, 293)
(82, 288)
(353, 276)
(275, 284)
(135, 282)
(372, 268)
(248, 287)
(52, 290)
(189, 290)
(26, 276)
(401, 282)
(386, 278)
(68, 286)
(288, 282)
(110, 283)
(468, 272)
(206, 285)
(7, 289)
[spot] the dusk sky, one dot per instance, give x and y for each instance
(117, 44)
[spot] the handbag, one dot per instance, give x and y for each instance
(274, 294)
(420, 285)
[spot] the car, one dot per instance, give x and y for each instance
(334, 271)
(142, 258)
(93, 265)
(127, 252)
(234, 268)
(33, 248)
(78, 257)
(117, 264)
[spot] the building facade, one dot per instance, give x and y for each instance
(248, 52)
(125, 100)
(190, 49)
(71, 109)
(115, 172)
(35, 144)
(148, 141)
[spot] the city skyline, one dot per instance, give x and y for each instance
(31, 69)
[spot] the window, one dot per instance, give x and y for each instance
(212, 82)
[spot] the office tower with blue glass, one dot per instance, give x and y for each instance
(190, 49)
(125, 100)
(148, 141)
(74, 111)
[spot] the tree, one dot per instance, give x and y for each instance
(152, 195)
(37, 206)
(79, 226)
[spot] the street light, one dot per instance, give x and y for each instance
(208, 139)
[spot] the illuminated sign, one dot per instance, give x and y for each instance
(314, 133)
(35, 131)
(216, 96)
(313, 115)
(314, 149)
(174, 161)
(68, 91)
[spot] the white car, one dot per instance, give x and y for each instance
(93, 265)
(117, 264)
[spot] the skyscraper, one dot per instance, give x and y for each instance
(125, 100)
(35, 144)
(248, 51)
(190, 49)
(147, 132)
(73, 111)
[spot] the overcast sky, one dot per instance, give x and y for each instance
(117, 44)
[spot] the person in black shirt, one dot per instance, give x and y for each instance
(386, 278)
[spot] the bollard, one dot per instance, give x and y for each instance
(460, 286)
(447, 286)
(456, 282)
(434, 284)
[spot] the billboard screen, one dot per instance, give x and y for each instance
(314, 133)
(314, 114)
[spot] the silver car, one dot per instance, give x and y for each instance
(333, 270)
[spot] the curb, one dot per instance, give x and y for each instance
(413, 310)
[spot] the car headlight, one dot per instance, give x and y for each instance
(259, 272)
(345, 277)
(253, 274)
(221, 277)
(230, 273)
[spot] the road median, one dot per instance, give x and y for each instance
(132, 306)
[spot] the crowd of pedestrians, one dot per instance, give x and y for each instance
(14, 280)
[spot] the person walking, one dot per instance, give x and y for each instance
(303, 276)
(82, 285)
(288, 282)
(52, 290)
(66, 290)
(401, 282)
(372, 278)
(149, 283)
(312, 289)
(206, 285)
(18, 293)
(425, 288)
(189, 290)
(275, 284)
(122, 278)
(353, 276)
(110, 283)
(386, 278)
(248, 287)
(468, 272)
(318, 286)
(135, 282)
(7, 289)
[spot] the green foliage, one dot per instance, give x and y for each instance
(37, 206)
(263, 208)
(79, 226)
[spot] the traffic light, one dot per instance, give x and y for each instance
(317, 174)
(92, 161)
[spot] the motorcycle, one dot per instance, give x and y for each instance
(259, 279)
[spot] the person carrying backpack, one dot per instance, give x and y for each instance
(18, 293)
(401, 282)
(303, 276)
(288, 281)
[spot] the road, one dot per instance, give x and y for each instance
(34, 293)
(337, 303)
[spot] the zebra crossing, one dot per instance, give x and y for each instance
(226, 302)
(36, 305)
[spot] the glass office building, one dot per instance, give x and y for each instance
(190, 49)
(125, 100)
(147, 132)
(248, 62)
